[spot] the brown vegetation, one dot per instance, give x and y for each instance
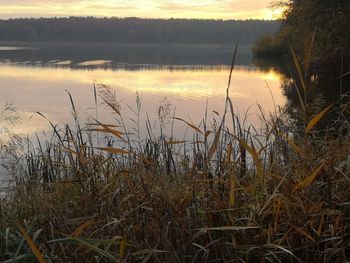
(233, 194)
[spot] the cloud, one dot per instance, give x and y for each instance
(225, 9)
(213, 5)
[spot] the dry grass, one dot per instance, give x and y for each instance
(234, 194)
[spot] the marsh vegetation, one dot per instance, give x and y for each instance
(231, 192)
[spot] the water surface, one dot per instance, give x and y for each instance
(190, 80)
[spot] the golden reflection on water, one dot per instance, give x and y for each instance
(42, 89)
(93, 63)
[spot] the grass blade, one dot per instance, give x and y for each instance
(32, 245)
(293, 145)
(107, 129)
(215, 144)
(308, 180)
(255, 156)
(298, 67)
(316, 119)
(81, 228)
(189, 124)
(228, 228)
(232, 190)
(89, 245)
(122, 245)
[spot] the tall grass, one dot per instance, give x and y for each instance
(234, 193)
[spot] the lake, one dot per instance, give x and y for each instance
(187, 80)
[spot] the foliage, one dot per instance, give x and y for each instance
(135, 30)
(328, 20)
(270, 46)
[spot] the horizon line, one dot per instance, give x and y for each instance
(144, 18)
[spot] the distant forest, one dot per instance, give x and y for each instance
(136, 30)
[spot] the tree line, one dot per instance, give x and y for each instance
(136, 30)
(327, 22)
(318, 32)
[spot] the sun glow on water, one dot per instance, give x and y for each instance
(187, 91)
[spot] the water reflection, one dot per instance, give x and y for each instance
(190, 79)
(43, 89)
(326, 85)
(119, 55)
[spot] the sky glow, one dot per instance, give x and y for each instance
(206, 9)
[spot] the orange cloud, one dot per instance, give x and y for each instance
(216, 9)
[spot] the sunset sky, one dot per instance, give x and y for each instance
(217, 9)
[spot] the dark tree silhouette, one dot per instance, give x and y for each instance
(328, 20)
(135, 30)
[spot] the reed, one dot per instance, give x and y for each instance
(233, 194)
